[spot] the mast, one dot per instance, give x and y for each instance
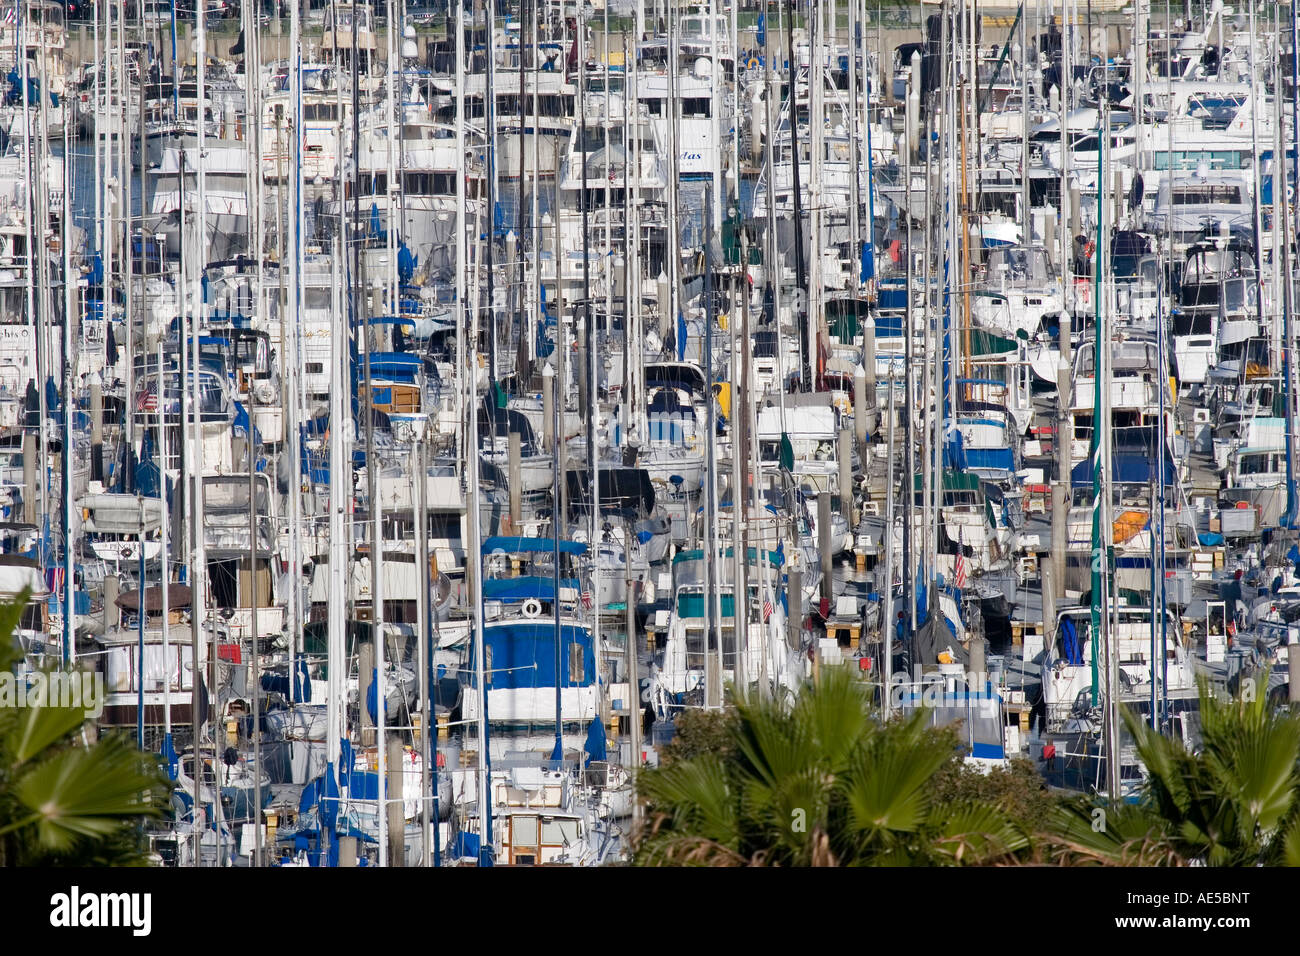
(199, 598)
(424, 659)
(165, 573)
(1289, 520)
(715, 628)
(910, 399)
(340, 501)
(256, 732)
(887, 610)
(801, 277)
(715, 107)
(69, 400)
(375, 508)
(855, 184)
(490, 128)
(291, 364)
(816, 154)
(771, 255)
(469, 311)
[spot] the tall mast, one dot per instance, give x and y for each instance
(816, 153)
(340, 501)
(69, 396)
(715, 108)
(715, 629)
(1288, 359)
(468, 311)
(801, 278)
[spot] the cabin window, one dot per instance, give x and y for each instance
(559, 832)
(1207, 195)
(697, 108)
(374, 184)
(1254, 464)
(694, 648)
(576, 675)
(523, 832)
(1200, 323)
(32, 619)
(487, 665)
(327, 112)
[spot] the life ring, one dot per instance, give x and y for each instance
(753, 63)
(532, 608)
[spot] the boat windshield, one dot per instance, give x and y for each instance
(1020, 264)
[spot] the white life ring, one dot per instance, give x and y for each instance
(532, 608)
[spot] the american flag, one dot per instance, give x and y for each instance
(11, 15)
(586, 600)
(959, 573)
(767, 609)
(148, 399)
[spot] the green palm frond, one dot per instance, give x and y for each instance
(975, 833)
(789, 814)
(696, 795)
(33, 729)
(1290, 846)
(886, 786)
(836, 718)
(1122, 835)
(86, 792)
(772, 745)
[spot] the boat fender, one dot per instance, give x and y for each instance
(532, 608)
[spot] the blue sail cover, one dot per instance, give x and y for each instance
(1126, 469)
(1133, 460)
(595, 745)
(517, 545)
(519, 589)
(372, 698)
(170, 757)
(1070, 640)
(989, 459)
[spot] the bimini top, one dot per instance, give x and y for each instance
(774, 557)
(514, 545)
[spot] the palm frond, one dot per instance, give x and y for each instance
(975, 833)
(36, 728)
(86, 792)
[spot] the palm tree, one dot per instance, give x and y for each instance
(819, 783)
(1234, 803)
(62, 801)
